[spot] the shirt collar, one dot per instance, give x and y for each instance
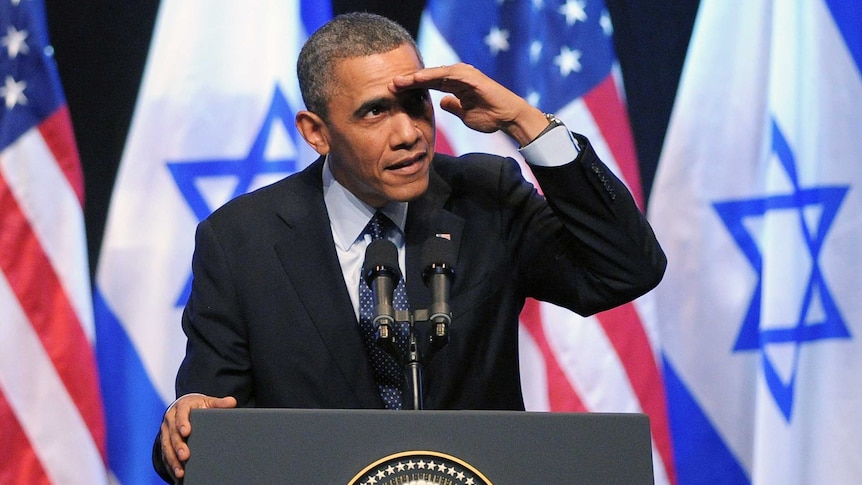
(348, 215)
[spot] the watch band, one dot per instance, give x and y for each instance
(553, 122)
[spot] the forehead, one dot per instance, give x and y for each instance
(372, 74)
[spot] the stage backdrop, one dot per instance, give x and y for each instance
(101, 48)
(202, 133)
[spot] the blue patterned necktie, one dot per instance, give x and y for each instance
(387, 372)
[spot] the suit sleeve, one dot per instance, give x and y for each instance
(589, 248)
(217, 361)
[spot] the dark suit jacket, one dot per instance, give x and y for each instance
(270, 321)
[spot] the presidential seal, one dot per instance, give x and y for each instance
(419, 468)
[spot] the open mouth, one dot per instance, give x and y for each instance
(399, 166)
(406, 164)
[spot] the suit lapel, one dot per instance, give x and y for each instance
(426, 218)
(307, 252)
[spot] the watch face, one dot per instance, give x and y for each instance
(419, 468)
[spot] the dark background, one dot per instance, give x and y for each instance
(101, 48)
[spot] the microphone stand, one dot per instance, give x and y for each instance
(420, 349)
(414, 373)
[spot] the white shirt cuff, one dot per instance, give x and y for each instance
(553, 149)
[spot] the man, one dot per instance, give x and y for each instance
(273, 317)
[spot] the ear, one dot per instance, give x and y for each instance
(313, 130)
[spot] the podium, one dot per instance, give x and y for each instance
(378, 447)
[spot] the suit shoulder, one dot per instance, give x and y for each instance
(268, 199)
(475, 167)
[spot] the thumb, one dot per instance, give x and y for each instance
(224, 402)
(452, 105)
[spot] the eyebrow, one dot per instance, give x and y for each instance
(380, 102)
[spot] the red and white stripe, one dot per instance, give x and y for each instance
(51, 419)
(604, 363)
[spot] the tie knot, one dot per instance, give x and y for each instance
(377, 226)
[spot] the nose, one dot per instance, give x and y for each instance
(405, 130)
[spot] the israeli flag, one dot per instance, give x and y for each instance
(757, 204)
(214, 119)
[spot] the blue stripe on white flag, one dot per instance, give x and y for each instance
(314, 14)
(702, 457)
(845, 13)
(134, 410)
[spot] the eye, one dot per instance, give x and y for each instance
(374, 109)
(417, 101)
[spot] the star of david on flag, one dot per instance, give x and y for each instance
(756, 204)
(245, 174)
(812, 312)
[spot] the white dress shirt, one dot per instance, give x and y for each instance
(348, 217)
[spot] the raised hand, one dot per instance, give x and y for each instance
(480, 102)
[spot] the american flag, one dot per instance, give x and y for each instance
(558, 54)
(51, 423)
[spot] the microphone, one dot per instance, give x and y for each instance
(381, 273)
(438, 256)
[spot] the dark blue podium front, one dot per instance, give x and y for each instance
(287, 446)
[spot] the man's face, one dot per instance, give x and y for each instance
(381, 144)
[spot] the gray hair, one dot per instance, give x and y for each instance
(346, 36)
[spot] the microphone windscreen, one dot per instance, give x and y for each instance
(381, 253)
(437, 251)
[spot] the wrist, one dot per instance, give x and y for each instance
(553, 122)
(527, 127)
